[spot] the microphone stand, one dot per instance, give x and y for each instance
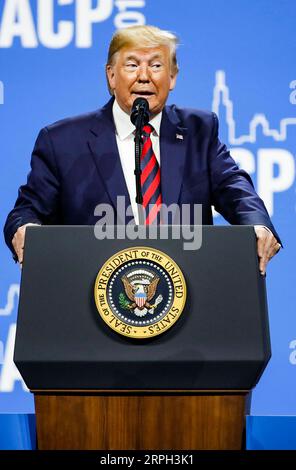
(139, 117)
(138, 151)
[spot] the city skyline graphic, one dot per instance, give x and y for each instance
(221, 96)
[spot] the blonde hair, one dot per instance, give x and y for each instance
(142, 37)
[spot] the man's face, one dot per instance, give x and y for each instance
(142, 73)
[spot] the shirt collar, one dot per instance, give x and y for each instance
(124, 126)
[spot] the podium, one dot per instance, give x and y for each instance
(185, 388)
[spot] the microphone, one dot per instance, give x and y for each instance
(140, 112)
(139, 117)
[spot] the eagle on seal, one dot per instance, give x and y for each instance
(140, 294)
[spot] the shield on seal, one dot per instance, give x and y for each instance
(140, 297)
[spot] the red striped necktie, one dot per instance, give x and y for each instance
(150, 178)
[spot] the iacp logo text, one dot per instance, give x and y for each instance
(61, 22)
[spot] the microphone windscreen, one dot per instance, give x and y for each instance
(140, 107)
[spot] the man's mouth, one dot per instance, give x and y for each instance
(143, 93)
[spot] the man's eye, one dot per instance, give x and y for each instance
(157, 65)
(131, 65)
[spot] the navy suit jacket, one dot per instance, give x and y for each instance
(75, 166)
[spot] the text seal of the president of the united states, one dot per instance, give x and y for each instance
(140, 292)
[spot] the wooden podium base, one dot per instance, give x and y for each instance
(140, 420)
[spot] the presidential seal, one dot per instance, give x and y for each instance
(140, 292)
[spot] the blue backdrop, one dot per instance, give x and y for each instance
(236, 58)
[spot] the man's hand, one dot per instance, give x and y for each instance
(267, 246)
(18, 241)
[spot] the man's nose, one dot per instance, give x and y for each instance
(143, 75)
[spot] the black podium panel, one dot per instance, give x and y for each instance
(220, 342)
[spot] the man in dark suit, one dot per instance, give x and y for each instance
(88, 160)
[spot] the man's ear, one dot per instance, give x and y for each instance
(110, 76)
(173, 80)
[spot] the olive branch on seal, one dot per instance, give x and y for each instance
(123, 302)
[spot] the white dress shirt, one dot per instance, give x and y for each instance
(126, 148)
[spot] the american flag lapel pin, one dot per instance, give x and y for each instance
(179, 136)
